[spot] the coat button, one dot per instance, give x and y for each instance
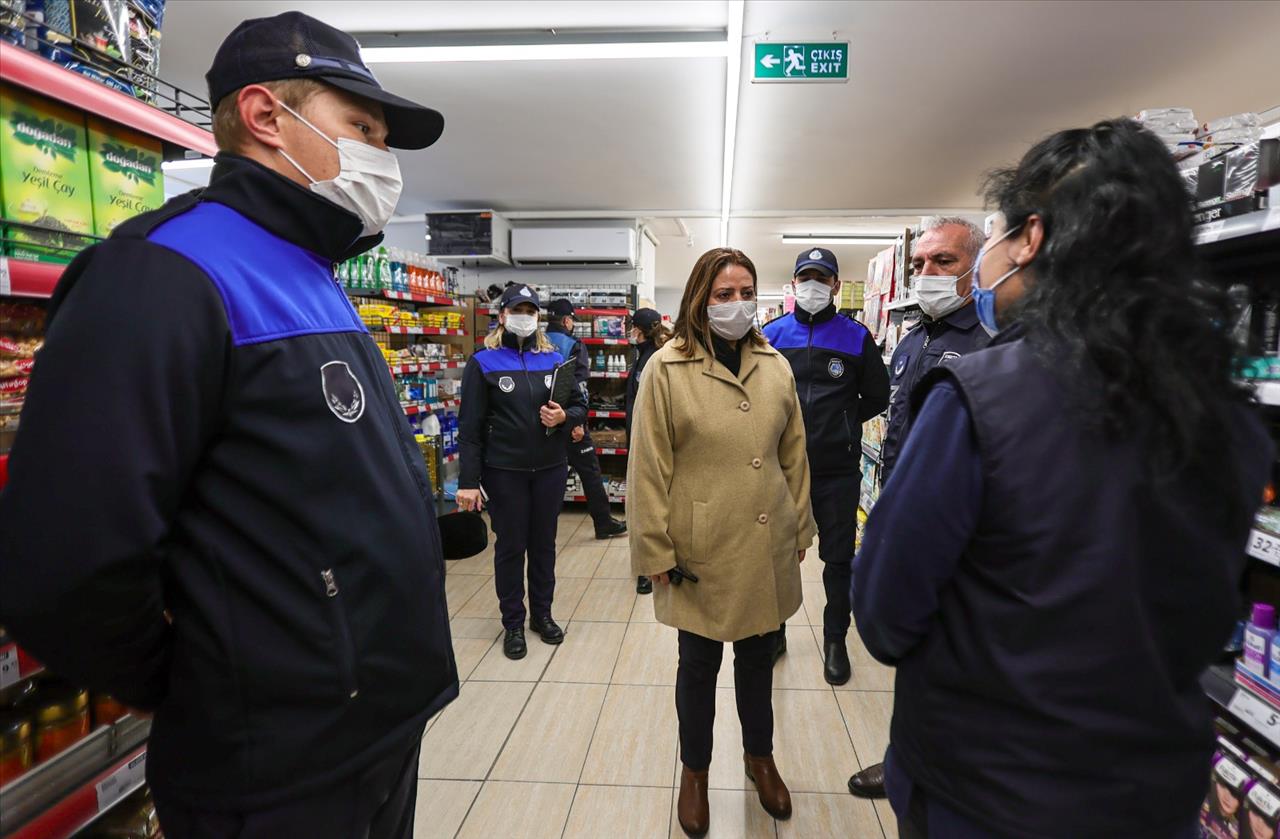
(756, 462)
(763, 518)
(746, 406)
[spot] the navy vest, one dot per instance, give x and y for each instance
(1057, 694)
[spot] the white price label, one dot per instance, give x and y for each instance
(1264, 546)
(122, 782)
(1273, 219)
(8, 666)
(1209, 232)
(1261, 717)
(6, 285)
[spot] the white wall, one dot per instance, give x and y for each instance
(668, 301)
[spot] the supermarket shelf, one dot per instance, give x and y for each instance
(594, 414)
(581, 499)
(22, 278)
(1245, 699)
(602, 312)
(607, 450)
(1227, 231)
(872, 452)
(27, 69)
(416, 330)
(63, 795)
(430, 299)
(16, 666)
(1264, 545)
(1268, 393)
(426, 367)
(428, 405)
(900, 304)
(1247, 244)
(601, 375)
(608, 342)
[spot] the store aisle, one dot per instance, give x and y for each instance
(580, 740)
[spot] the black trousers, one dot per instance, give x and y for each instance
(582, 457)
(696, 694)
(376, 804)
(525, 509)
(835, 509)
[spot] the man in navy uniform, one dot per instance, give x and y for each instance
(245, 540)
(842, 382)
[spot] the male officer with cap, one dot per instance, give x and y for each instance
(245, 543)
(842, 383)
(582, 451)
(941, 263)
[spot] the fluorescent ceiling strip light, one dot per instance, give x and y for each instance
(732, 77)
(839, 240)
(545, 52)
(184, 165)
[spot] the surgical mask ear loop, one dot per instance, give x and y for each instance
(300, 118)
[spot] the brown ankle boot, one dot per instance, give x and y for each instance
(693, 811)
(774, 795)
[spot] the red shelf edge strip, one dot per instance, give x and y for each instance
(33, 279)
(25, 68)
(73, 811)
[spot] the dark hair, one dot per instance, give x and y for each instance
(1117, 304)
(693, 327)
(659, 333)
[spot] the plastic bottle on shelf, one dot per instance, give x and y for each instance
(1259, 634)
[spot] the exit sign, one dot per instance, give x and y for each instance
(824, 62)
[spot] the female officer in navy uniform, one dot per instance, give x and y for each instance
(648, 334)
(512, 440)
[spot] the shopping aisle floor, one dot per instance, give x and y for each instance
(580, 740)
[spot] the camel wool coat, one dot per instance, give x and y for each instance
(718, 484)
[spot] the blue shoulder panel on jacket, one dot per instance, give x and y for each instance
(785, 333)
(271, 288)
(506, 360)
(840, 334)
(562, 342)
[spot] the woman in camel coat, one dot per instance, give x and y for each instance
(718, 487)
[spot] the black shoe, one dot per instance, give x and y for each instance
(836, 665)
(513, 646)
(613, 528)
(780, 650)
(644, 585)
(869, 783)
(547, 628)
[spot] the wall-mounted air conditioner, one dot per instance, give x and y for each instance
(573, 247)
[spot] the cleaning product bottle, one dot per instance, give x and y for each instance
(1259, 635)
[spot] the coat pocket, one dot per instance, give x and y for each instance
(344, 652)
(700, 535)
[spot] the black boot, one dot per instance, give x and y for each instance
(836, 662)
(613, 528)
(644, 585)
(513, 646)
(547, 628)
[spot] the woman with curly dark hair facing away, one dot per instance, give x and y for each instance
(1057, 556)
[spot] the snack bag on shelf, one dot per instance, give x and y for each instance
(124, 172)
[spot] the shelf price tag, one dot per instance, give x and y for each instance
(1264, 546)
(1210, 232)
(1261, 717)
(121, 782)
(8, 666)
(6, 284)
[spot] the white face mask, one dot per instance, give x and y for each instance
(732, 320)
(368, 183)
(522, 325)
(937, 295)
(813, 296)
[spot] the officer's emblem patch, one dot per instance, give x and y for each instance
(836, 368)
(506, 384)
(343, 392)
(815, 254)
(546, 380)
(947, 356)
(900, 367)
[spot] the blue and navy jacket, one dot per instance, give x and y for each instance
(212, 432)
(840, 378)
(499, 424)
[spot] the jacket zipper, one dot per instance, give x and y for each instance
(808, 388)
(346, 646)
(848, 430)
(529, 384)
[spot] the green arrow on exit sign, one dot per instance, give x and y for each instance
(823, 62)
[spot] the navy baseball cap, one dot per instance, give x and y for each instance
(646, 318)
(519, 293)
(560, 308)
(297, 46)
(818, 258)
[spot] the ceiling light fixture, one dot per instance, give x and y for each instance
(539, 46)
(733, 73)
(869, 239)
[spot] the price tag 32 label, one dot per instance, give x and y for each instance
(1264, 546)
(1260, 716)
(8, 666)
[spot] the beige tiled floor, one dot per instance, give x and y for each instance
(580, 740)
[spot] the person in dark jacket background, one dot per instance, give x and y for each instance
(512, 440)
(942, 260)
(648, 334)
(1057, 557)
(239, 474)
(582, 449)
(842, 383)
